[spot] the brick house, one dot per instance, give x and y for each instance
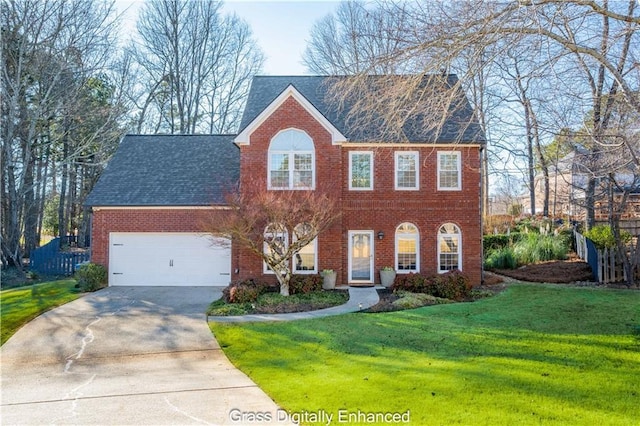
(412, 204)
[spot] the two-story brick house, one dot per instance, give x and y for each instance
(412, 204)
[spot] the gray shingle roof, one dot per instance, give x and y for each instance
(174, 170)
(461, 126)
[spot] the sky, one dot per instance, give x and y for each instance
(281, 28)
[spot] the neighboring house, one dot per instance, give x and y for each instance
(567, 182)
(412, 204)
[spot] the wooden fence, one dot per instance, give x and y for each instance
(604, 263)
(49, 260)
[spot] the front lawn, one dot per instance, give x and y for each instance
(20, 305)
(532, 354)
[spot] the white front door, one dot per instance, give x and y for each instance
(361, 256)
(168, 259)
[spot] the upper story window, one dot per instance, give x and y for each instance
(407, 177)
(291, 161)
(407, 248)
(449, 178)
(361, 170)
(449, 256)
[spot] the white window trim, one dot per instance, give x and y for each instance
(417, 237)
(351, 155)
(459, 163)
(395, 171)
(315, 260)
(459, 235)
(291, 155)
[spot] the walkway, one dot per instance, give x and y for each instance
(360, 298)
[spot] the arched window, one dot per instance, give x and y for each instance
(449, 248)
(291, 161)
(407, 248)
(276, 242)
(306, 259)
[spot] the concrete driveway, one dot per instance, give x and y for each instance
(126, 355)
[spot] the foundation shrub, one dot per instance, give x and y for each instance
(414, 283)
(304, 284)
(453, 285)
(245, 291)
(91, 277)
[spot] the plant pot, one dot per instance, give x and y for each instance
(387, 278)
(329, 281)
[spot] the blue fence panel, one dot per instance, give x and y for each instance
(39, 256)
(49, 260)
(592, 258)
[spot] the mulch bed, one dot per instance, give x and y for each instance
(562, 271)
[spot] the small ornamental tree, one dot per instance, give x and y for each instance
(274, 225)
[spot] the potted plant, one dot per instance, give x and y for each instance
(387, 276)
(329, 279)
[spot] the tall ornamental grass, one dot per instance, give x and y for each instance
(536, 248)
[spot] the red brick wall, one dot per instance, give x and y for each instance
(427, 208)
(329, 172)
(105, 221)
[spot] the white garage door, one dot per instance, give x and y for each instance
(168, 259)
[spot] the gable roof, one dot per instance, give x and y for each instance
(460, 126)
(290, 91)
(168, 170)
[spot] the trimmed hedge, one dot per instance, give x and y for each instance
(498, 241)
(453, 285)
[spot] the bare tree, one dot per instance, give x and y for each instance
(53, 53)
(196, 67)
(274, 225)
(588, 48)
(352, 40)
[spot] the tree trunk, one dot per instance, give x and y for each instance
(62, 220)
(589, 201)
(29, 210)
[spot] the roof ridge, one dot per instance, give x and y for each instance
(178, 135)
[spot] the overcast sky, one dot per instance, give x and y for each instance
(280, 27)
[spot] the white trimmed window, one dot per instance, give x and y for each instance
(305, 261)
(276, 239)
(407, 248)
(407, 178)
(361, 170)
(291, 161)
(449, 178)
(449, 248)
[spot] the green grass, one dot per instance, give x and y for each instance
(20, 305)
(533, 354)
